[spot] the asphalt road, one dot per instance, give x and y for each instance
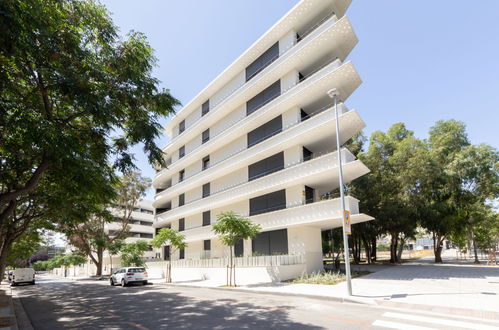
(61, 304)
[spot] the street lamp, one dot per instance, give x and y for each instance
(334, 93)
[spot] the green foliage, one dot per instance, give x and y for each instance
(171, 237)
(231, 228)
(131, 253)
(75, 98)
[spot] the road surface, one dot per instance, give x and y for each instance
(64, 304)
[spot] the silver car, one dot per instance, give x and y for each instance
(127, 275)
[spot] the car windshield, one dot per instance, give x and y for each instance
(136, 270)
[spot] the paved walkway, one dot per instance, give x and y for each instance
(451, 287)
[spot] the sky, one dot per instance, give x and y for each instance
(420, 61)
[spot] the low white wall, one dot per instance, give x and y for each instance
(244, 275)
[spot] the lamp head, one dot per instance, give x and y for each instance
(333, 92)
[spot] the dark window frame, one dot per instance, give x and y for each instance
(206, 218)
(181, 199)
(181, 175)
(207, 245)
(205, 136)
(205, 108)
(181, 152)
(205, 162)
(206, 190)
(181, 224)
(181, 127)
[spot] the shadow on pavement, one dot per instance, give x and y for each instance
(95, 306)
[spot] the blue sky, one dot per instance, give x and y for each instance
(420, 61)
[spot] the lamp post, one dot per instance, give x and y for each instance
(333, 93)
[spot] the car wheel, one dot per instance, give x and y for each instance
(33, 283)
(123, 283)
(111, 282)
(145, 282)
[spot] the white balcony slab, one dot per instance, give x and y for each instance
(324, 214)
(312, 172)
(333, 38)
(303, 12)
(304, 133)
(343, 77)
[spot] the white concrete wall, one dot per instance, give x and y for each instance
(291, 117)
(230, 179)
(193, 221)
(287, 41)
(289, 80)
(193, 194)
(294, 195)
(236, 82)
(234, 116)
(307, 240)
(193, 144)
(228, 149)
(293, 155)
(193, 169)
(191, 118)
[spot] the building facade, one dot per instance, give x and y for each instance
(260, 140)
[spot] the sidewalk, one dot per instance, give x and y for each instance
(452, 287)
(7, 314)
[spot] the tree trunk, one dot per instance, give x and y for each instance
(474, 247)
(437, 248)
(373, 249)
(4, 251)
(98, 261)
(110, 264)
(367, 247)
(393, 248)
(400, 249)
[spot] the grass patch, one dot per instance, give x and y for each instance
(328, 277)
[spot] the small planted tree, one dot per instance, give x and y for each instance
(131, 254)
(231, 228)
(176, 241)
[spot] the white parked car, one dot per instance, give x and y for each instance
(22, 275)
(127, 275)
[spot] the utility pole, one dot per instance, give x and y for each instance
(333, 93)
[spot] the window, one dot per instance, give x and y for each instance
(166, 253)
(271, 242)
(266, 166)
(262, 61)
(264, 97)
(205, 137)
(181, 126)
(181, 152)
(268, 203)
(206, 162)
(206, 190)
(181, 254)
(307, 154)
(181, 175)
(239, 248)
(265, 131)
(303, 115)
(309, 195)
(181, 224)
(181, 199)
(206, 218)
(207, 245)
(205, 108)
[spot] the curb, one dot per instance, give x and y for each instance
(22, 318)
(285, 294)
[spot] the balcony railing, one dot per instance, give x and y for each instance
(304, 36)
(250, 261)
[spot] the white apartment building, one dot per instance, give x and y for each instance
(260, 140)
(140, 226)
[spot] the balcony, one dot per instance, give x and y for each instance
(315, 171)
(344, 77)
(310, 131)
(325, 214)
(335, 38)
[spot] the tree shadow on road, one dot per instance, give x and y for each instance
(72, 305)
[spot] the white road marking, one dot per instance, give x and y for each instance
(401, 326)
(434, 320)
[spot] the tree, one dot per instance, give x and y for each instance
(385, 192)
(131, 253)
(92, 237)
(114, 248)
(73, 96)
(231, 228)
(440, 188)
(175, 241)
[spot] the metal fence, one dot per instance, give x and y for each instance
(252, 261)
